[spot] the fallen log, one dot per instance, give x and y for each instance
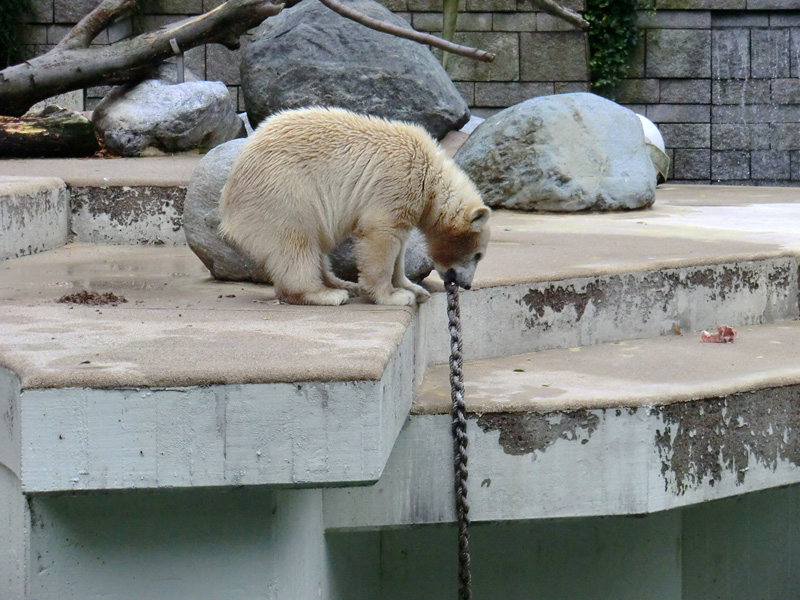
(53, 133)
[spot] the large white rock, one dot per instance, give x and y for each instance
(561, 153)
(169, 117)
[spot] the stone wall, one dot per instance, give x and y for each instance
(724, 88)
(721, 78)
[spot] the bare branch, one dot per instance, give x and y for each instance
(92, 24)
(67, 68)
(566, 14)
(409, 34)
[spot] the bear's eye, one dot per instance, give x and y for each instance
(478, 256)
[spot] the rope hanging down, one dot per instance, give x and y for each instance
(459, 439)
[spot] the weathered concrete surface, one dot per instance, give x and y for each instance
(178, 328)
(627, 428)
(14, 517)
(583, 463)
(33, 215)
(591, 310)
(128, 215)
(238, 544)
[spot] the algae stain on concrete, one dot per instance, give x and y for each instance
(703, 440)
(528, 432)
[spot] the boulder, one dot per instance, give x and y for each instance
(562, 153)
(201, 224)
(309, 55)
(167, 117)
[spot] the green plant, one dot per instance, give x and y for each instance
(613, 36)
(11, 30)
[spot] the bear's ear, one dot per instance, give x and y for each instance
(479, 217)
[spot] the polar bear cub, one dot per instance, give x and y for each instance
(308, 178)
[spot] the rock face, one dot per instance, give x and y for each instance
(308, 55)
(167, 117)
(201, 222)
(561, 153)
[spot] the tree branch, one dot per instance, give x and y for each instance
(92, 24)
(73, 67)
(566, 14)
(409, 34)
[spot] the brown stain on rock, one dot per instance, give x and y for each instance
(527, 432)
(703, 439)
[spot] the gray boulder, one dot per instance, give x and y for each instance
(309, 55)
(201, 223)
(561, 153)
(169, 117)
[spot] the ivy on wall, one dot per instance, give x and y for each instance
(11, 29)
(613, 36)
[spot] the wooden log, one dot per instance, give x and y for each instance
(53, 133)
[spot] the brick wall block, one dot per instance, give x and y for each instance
(505, 66)
(740, 136)
(730, 165)
(749, 91)
(784, 136)
(466, 21)
(490, 5)
(730, 53)
(785, 91)
(636, 91)
(223, 64)
(691, 164)
(41, 11)
(172, 7)
(678, 113)
(570, 87)
(701, 4)
(467, 91)
(756, 113)
(770, 53)
(720, 20)
(514, 21)
(770, 164)
(395, 5)
(553, 56)
(545, 22)
(72, 11)
(674, 19)
(795, 52)
(678, 53)
(501, 95)
(795, 165)
(685, 91)
(686, 135)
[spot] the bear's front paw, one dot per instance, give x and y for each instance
(399, 297)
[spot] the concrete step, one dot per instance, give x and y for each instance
(191, 382)
(631, 427)
(33, 215)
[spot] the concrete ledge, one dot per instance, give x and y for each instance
(630, 428)
(33, 215)
(293, 434)
(591, 310)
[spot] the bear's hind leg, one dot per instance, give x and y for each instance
(296, 273)
(376, 255)
(330, 279)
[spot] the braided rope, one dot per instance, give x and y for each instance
(459, 439)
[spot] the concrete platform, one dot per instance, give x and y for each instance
(149, 443)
